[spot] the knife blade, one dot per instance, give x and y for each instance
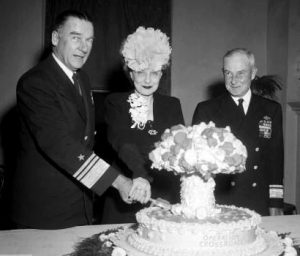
(160, 203)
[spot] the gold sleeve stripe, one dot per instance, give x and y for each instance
(91, 165)
(276, 192)
(276, 186)
(91, 170)
(84, 165)
(94, 174)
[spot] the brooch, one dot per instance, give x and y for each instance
(152, 132)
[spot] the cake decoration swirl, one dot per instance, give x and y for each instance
(197, 225)
(197, 153)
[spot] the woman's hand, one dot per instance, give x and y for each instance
(140, 191)
(124, 186)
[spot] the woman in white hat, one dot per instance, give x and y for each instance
(136, 120)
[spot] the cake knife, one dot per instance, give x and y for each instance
(160, 203)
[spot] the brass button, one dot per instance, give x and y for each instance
(254, 184)
(232, 183)
(255, 167)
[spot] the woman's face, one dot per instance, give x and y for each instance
(146, 82)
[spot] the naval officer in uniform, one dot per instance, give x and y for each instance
(57, 169)
(257, 122)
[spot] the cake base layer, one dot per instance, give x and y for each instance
(233, 231)
(273, 247)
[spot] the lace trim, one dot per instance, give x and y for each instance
(139, 108)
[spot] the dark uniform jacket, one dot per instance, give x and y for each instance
(260, 130)
(133, 147)
(56, 165)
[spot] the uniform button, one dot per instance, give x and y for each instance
(86, 137)
(254, 184)
(232, 183)
(257, 149)
(95, 132)
(255, 167)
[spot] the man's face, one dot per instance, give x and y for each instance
(238, 74)
(146, 82)
(73, 42)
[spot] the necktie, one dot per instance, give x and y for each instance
(240, 106)
(76, 83)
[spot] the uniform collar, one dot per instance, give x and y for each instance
(67, 71)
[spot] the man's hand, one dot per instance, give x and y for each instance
(123, 185)
(275, 211)
(141, 190)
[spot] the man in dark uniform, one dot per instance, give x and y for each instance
(57, 169)
(257, 122)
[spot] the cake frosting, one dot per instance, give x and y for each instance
(229, 230)
(233, 231)
(196, 154)
(197, 226)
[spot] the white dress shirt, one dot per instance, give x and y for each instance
(68, 72)
(246, 102)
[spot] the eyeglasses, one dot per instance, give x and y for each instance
(240, 75)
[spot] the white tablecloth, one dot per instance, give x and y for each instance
(59, 242)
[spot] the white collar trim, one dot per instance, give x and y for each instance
(67, 71)
(246, 98)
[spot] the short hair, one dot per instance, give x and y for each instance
(244, 51)
(65, 15)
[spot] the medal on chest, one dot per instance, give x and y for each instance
(265, 127)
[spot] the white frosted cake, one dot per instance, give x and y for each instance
(218, 230)
(197, 226)
(234, 231)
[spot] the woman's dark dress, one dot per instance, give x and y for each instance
(133, 146)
